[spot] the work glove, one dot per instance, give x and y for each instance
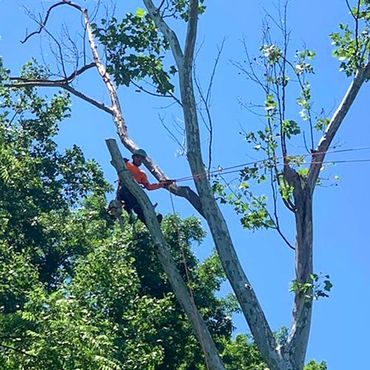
(166, 183)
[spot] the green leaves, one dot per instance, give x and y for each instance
(270, 104)
(135, 50)
(290, 128)
(319, 286)
(242, 354)
(140, 12)
(251, 208)
(180, 9)
(38, 183)
(352, 46)
(313, 365)
(303, 59)
(272, 53)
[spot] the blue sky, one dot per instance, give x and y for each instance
(341, 323)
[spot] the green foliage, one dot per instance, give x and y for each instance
(76, 292)
(317, 287)
(135, 50)
(39, 184)
(180, 8)
(242, 354)
(272, 53)
(290, 128)
(313, 365)
(252, 208)
(17, 278)
(352, 44)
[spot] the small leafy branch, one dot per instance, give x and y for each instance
(352, 44)
(318, 286)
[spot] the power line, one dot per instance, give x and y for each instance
(277, 160)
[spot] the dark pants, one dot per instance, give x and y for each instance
(130, 203)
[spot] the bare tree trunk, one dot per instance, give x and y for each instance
(216, 222)
(296, 346)
(303, 269)
(200, 329)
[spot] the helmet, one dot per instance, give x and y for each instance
(140, 153)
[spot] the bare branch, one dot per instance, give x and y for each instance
(43, 23)
(168, 95)
(276, 216)
(173, 136)
(88, 99)
(63, 85)
(160, 5)
(66, 80)
(206, 100)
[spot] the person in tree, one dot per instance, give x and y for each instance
(123, 195)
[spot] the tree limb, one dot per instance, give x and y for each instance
(60, 84)
(319, 154)
(302, 311)
(200, 329)
(43, 23)
(169, 34)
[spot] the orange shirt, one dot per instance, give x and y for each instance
(141, 177)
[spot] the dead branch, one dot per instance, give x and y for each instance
(43, 23)
(65, 86)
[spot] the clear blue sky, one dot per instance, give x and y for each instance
(341, 323)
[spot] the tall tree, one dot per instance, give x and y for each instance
(135, 49)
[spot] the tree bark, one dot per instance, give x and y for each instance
(290, 356)
(296, 346)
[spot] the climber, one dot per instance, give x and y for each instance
(123, 195)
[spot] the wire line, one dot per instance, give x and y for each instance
(237, 168)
